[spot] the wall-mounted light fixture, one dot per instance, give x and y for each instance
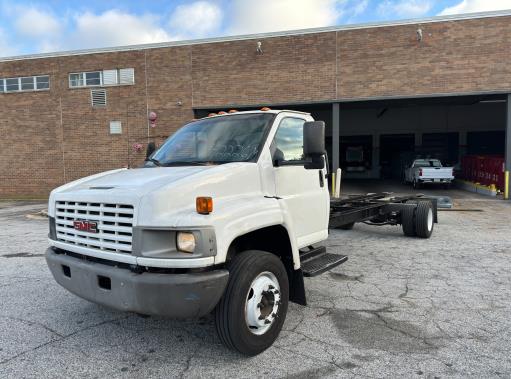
(419, 34)
(259, 49)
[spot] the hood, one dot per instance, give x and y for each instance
(125, 185)
(162, 193)
(140, 178)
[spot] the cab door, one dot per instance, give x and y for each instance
(303, 193)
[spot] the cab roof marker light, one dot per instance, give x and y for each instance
(232, 110)
(264, 109)
(222, 113)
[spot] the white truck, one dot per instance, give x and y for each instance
(222, 218)
(425, 170)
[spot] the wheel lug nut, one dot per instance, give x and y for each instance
(261, 317)
(267, 321)
(260, 305)
(271, 287)
(274, 315)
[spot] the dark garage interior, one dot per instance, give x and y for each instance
(378, 139)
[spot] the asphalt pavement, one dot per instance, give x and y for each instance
(400, 307)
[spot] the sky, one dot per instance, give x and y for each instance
(28, 27)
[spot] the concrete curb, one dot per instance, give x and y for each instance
(475, 187)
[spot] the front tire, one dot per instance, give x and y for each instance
(253, 309)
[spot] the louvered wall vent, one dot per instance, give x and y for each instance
(110, 77)
(126, 76)
(98, 97)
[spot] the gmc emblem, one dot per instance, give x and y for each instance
(86, 226)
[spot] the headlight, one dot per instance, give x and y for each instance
(185, 242)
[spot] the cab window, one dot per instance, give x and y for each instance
(288, 141)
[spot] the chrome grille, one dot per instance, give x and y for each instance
(114, 225)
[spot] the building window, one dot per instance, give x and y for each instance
(12, 85)
(112, 77)
(76, 80)
(85, 79)
(25, 84)
(42, 82)
(93, 78)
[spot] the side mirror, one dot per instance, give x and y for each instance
(151, 147)
(314, 144)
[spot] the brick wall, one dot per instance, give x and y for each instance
(55, 136)
(454, 57)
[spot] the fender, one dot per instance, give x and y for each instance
(261, 213)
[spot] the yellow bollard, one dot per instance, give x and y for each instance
(333, 184)
(506, 185)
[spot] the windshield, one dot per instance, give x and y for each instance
(215, 140)
(427, 163)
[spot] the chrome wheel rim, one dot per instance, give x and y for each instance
(430, 219)
(262, 303)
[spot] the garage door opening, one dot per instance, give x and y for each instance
(376, 140)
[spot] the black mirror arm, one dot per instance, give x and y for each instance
(151, 147)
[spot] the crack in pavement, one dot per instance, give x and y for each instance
(58, 339)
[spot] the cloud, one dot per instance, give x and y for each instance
(36, 23)
(360, 7)
(248, 16)
(115, 28)
(470, 6)
(5, 46)
(197, 19)
(405, 8)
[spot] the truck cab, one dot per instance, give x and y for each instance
(215, 221)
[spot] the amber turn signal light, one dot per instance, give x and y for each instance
(204, 205)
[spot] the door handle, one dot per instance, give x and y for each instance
(321, 179)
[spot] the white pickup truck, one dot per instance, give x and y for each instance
(221, 218)
(428, 171)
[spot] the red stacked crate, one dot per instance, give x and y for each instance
(486, 170)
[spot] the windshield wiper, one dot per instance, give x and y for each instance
(155, 161)
(191, 163)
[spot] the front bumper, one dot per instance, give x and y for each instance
(187, 295)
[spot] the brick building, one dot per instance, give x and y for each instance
(440, 84)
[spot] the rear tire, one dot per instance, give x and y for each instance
(424, 220)
(408, 219)
(255, 277)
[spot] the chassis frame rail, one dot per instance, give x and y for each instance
(375, 208)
